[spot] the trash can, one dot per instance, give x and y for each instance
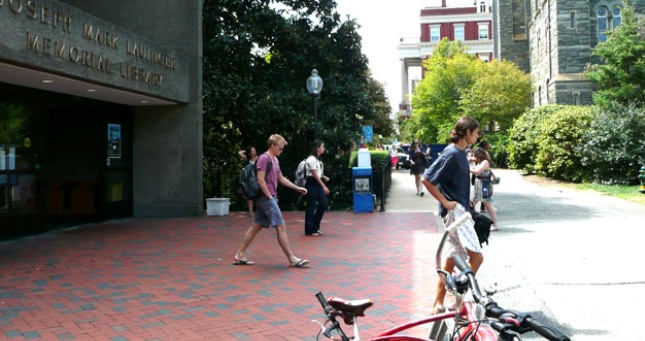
(217, 206)
(362, 186)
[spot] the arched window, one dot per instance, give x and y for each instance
(617, 19)
(603, 23)
(607, 21)
(482, 7)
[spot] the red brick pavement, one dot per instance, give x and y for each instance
(172, 279)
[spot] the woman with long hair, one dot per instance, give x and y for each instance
(417, 165)
(448, 181)
(483, 172)
(317, 191)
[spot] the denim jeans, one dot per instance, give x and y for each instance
(316, 205)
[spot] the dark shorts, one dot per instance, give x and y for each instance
(268, 213)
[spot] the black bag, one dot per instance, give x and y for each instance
(248, 185)
(495, 180)
(482, 226)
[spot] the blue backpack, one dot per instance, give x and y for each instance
(248, 186)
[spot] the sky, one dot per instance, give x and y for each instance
(383, 23)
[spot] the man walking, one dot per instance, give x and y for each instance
(268, 213)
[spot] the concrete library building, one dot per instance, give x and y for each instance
(100, 112)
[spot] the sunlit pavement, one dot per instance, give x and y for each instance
(571, 258)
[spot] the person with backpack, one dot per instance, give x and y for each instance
(317, 191)
(448, 181)
(250, 156)
(483, 190)
(268, 212)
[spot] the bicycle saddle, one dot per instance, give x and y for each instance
(347, 309)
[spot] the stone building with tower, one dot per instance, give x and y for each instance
(553, 40)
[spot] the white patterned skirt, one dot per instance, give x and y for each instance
(462, 237)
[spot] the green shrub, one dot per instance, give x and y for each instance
(614, 147)
(558, 144)
(523, 137)
(499, 150)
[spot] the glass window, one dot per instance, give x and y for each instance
(435, 34)
(607, 20)
(482, 7)
(19, 161)
(616, 18)
(459, 32)
(483, 31)
(573, 19)
(603, 23)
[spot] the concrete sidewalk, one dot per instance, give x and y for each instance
(402, 196)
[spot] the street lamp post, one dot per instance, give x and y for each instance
(314, 86)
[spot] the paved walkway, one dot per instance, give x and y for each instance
(172, 279)
(403, 197)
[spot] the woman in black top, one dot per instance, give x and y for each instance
(417, 165)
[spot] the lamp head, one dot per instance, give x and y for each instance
(314, 83)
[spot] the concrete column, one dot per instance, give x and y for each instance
(405, 83)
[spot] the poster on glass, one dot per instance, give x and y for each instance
(114, 141)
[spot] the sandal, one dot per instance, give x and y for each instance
(243, 262)
(299, 264)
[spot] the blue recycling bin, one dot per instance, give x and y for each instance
(362, 186)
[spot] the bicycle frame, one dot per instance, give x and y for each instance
(481, 320)
(466, 319)
(389, 335)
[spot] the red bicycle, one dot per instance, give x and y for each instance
(479, 319)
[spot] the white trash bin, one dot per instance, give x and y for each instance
(217, 206)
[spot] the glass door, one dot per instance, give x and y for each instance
(21, 190)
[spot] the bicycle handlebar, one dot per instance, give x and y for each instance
(331, 315)
(510, 320)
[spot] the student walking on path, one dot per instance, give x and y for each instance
(448, 181)
(417, 165)
(268, 212)
(317, 191)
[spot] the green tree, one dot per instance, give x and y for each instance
(449, 72)
(457, 83)
(500, 94)
(621, 77)
(257, 57)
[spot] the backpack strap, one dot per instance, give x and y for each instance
(269, 165)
